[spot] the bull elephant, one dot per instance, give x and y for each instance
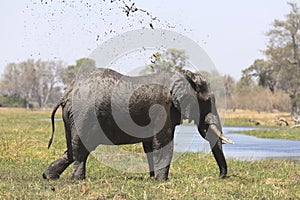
(131, 110)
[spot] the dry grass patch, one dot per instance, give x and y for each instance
(248, 118)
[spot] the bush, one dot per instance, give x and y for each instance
(259, 99)
(12, 101)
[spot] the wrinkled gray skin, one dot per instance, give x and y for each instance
(158, 146)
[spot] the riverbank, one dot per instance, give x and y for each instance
(272, 133)
(24, 156)
(268, 121)
(254, 118)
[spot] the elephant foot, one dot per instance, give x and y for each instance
(49, 176)
(223, 175)
(78, 177)
(162, 174)
(152, 174)
(57, 167)
(161, 178)
(79, 170)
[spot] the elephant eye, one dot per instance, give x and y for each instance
(202, 88)
(198, 89)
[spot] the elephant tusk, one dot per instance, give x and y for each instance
(215, 129)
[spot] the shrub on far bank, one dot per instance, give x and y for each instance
(259, 99)
(12, 101)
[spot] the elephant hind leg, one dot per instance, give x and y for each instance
(161, 160)
(80, 155)
(56, 168)
(148, 149)
(162, 154)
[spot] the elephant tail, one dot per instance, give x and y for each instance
(52, 122)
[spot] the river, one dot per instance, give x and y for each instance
(187, 139)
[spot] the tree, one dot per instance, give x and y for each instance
(71, 71)
(46, 77)
(10, 84)
(18, 80)
(229, 85)
(170, 60)
(245, 82)
(261, 70)
(284, 56)
(33, 81)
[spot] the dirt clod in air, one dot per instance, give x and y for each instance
(128, 9)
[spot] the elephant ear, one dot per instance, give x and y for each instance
(184, 96)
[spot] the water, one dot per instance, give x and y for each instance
(49, 119)
(187, 139)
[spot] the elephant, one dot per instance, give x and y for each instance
(135, 109)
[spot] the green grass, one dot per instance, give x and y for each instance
(237, 122)
(24, 157)
(280, 133)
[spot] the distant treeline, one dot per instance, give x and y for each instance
(36, 83)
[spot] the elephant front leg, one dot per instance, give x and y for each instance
(162, 155)
(57, 167)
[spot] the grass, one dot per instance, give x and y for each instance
(280, 133)
(241, 118)
(24, 156)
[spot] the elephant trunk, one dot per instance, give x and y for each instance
(215, 139)
(219, 157)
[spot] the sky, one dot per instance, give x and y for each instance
(231, 32)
